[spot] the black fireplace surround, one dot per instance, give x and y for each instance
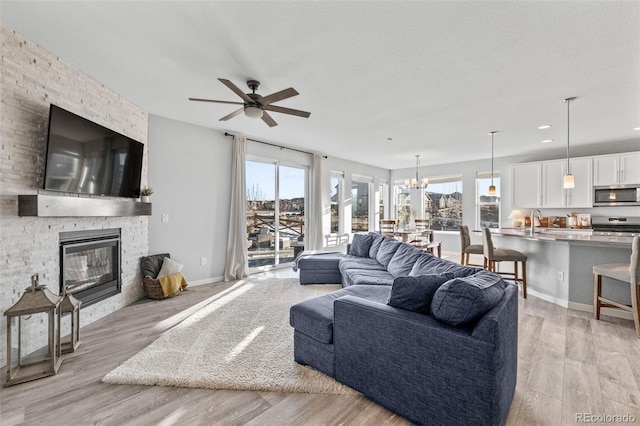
(90, 264)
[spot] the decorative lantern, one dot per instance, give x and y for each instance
(35, 300)
(71, 305)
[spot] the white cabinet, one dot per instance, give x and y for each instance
(582, 194)
(525, 185)
(553, 193)
(618, 169)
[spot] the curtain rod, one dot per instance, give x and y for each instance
(277, 146)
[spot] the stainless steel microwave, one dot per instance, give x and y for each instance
(616, 195)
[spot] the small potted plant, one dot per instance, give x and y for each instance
(145, 193)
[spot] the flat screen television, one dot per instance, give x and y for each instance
(87, 158)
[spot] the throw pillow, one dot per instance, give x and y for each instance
(415, 293)
(466, 299)
(375, 245)
(150, 265)
(387, 249)
(169, 267)
(360, 245)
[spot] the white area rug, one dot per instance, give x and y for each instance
(240, 340)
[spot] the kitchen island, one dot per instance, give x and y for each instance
(560, 263)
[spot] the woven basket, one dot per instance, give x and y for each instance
(153, 290)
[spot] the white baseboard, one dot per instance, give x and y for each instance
(546, 297)
(206, 281)
(617, 313)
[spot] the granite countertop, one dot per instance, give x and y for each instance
(555, 234)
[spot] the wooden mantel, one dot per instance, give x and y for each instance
(63, 206)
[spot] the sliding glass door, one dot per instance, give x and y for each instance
(275, 213)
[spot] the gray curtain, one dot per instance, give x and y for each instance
(315, 234)
(237, 265)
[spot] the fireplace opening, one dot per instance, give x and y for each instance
(90, 264)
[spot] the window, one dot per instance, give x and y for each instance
(360, 204)
(443, 203)
(337, 183)
(383, 194)
(402, 198)
(275, 212)
(487, 206)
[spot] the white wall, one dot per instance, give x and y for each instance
(190, 172)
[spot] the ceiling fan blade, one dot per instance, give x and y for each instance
(268, 119)
(284, 110)
(235, 89)
(233, 114)
(278, 96)
(218, 102)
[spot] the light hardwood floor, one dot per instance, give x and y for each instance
(569, 363)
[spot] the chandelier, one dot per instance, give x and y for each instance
(416, 183)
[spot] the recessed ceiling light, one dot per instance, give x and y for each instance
(544, 126)
(547, 140)
(636, 128)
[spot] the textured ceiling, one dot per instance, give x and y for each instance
(434, 76)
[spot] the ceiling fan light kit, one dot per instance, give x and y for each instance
(255, 105)
(253, 111)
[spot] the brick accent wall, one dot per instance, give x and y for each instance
(31, 79)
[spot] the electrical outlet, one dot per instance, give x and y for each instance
(165, 217)
(560, 276)
(203, 261)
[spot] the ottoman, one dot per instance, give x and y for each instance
(312, 321)
(320, 268)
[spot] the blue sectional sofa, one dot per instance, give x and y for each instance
(427, 338)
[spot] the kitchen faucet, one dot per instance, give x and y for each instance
(533, 219)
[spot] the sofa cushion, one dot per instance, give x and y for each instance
(466, 299)
(367, 277)
(353, 262)
(376, 240)
(403, 260)
(323, 261)
(416, 293)
(428, 264)
(360, 245)
(387, 249)
(314, 317)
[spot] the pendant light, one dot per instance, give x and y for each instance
(414, 183)
(492, 188)
(568, 181)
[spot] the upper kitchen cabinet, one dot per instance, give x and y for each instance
(553, 193)
(618, 169)
(525, 185)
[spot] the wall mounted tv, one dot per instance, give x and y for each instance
(87, 158)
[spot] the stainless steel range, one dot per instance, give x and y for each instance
(616, 226)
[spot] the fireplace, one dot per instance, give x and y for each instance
(90, 264)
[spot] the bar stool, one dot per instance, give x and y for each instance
(625, 272)
(493, 255)
(466, 248)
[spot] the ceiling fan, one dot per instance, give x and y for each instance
(255, 105)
